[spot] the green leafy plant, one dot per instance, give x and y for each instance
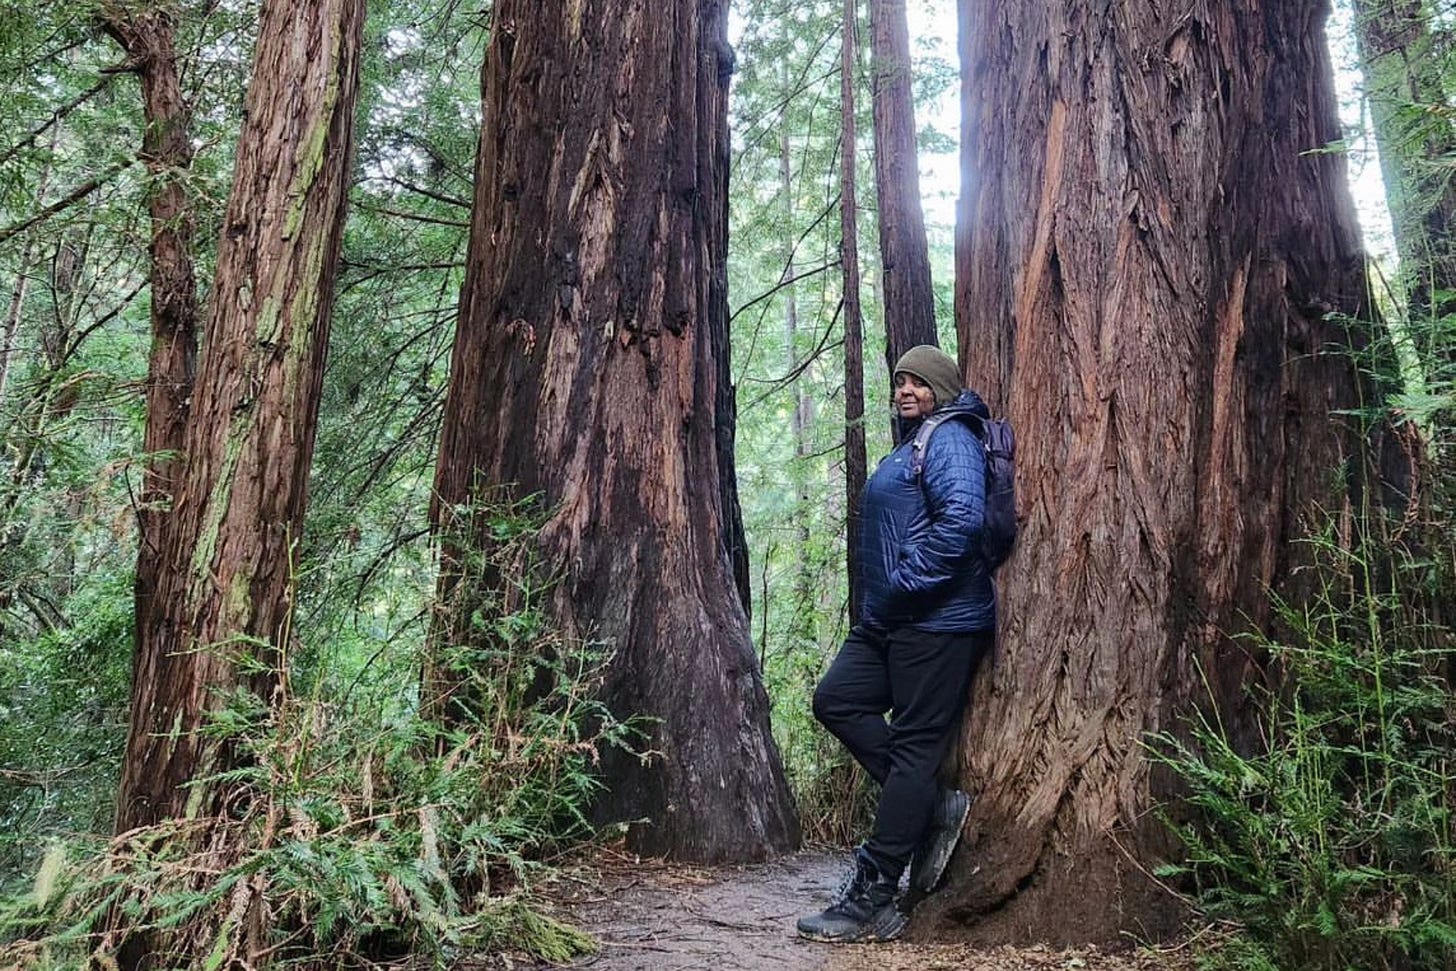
(356, 828)
(1333, 845)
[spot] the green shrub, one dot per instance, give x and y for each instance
(834, 796)
(63, 703)
(355, 828)
(1332, 846)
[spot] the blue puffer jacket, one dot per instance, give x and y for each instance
(920, 536)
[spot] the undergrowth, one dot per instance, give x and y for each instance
(1334, 845)
(352, 829)
(834, 796)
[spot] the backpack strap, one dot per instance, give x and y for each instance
(922, 438)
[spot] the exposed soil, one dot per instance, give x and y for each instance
(649, 916)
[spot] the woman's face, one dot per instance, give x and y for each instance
(913, 397)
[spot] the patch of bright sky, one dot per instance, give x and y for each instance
(401, 99)
(1362, 157)
(401, 102)
(933, 35)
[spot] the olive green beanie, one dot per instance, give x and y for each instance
(933, 366)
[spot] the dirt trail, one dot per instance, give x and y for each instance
(652, 917)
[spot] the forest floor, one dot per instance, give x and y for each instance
(650, 916)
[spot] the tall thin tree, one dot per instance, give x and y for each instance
(1151, 252)
(590, 369)
(855, 462)
(904, 252)
(801, 620)
(25, 266)
(148, 37)
(220, 616)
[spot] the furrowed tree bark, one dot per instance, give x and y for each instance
(1149, 243)
(855, 461)
(148, 38)
(713, 184)
(224, 586)
(590, 367)
(904, 251)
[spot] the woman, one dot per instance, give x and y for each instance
(928, 616)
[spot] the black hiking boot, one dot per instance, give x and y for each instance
(866, 911)
(931, 856)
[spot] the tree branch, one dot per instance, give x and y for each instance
(802, 366)
(102, 321)
(402, 214)
(427, 193)
(790, 281)
(56, 116)
(73, 197)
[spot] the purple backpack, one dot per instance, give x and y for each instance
(998, 530)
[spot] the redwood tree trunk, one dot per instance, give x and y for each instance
(590, 368)
(711, 154)
(855, 462)
(904, 252)
(148, 38)
(1148, 246)
(224, 585)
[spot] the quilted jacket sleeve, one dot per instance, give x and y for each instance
(954, 486)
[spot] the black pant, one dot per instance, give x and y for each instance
(924, 677)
